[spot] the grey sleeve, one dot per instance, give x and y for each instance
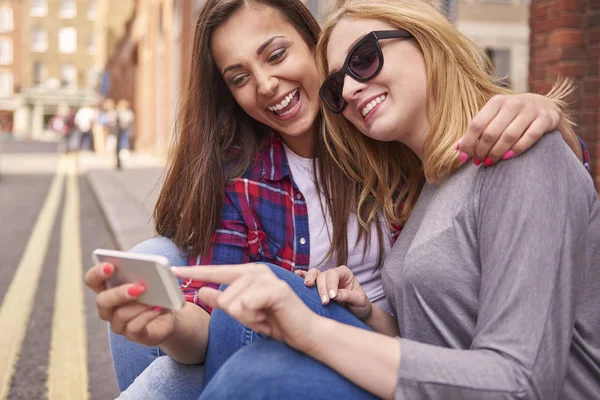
(532, 222)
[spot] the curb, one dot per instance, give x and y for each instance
(127, 219)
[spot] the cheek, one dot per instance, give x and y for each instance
(246, 101)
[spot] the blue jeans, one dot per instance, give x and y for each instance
(268, 369)
(131, 359)
(227, 336)
(160, 377)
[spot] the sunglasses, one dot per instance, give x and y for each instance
(363, 63)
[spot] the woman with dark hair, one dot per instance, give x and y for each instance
(250, 179)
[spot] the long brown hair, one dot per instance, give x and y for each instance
(459, 84)
(216, 141)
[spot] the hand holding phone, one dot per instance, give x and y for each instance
(152, 271)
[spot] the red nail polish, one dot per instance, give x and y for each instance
(463, 157)
(488, 162)
(136, 290)
(476, 161)
(107, 269)
(157, 309)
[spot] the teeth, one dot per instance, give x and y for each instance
(285, 102)
(372, 105)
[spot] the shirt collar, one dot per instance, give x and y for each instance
(275, 164)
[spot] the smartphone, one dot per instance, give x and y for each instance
(152, 271)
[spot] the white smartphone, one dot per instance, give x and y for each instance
(162, 287)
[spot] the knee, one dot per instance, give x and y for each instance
(271, 362)
(162, 246)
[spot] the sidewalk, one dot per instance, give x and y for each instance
(127, 196)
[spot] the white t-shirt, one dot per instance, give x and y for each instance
(365, 270)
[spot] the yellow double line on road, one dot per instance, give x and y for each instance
(67, 372)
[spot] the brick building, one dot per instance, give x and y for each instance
(565, 41)
(10, 60)
(65, 45)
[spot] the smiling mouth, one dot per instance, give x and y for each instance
(372, 105)
(288, 105)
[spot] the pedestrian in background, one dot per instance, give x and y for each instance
(63, 124)
(84, 122)
(108, 120)
(125, 120)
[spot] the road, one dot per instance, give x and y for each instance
(52, 344)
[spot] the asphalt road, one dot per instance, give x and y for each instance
(52, 344)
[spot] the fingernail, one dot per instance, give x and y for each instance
(157, 309)
(476, 161)
(107, 269)
(509, 154)
(332, 294)
(324, 299)
(457, 146)
(464, 157)
(136, 290)
(488, 162)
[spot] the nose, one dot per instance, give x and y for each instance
(352, 88)
(267, 85)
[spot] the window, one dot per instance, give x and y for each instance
(39, 8)
(68, 76)
(91, 44)
(6, 51)
(39, 40)
(39, 73)
(68, 9)
(92, 7)
(501, 61)
(67, 40)
(6, 84)
(6, 19)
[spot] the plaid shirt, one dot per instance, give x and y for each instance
(264, 219)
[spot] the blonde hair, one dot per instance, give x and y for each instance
(459, 83)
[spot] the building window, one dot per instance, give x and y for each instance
(68, 76)
(39, 73)
(6, 84)
(6, 19)
(501, 61)
(6, 51)
(92, 9)
(39, 8)
(67, 40)
(91, 45)
(68, 9)
(39, 40)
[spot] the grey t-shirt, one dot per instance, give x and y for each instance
(495, 281)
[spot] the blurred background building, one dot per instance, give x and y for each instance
(58, 50)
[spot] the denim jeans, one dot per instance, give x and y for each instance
(146, 373)
(129, 358)
(268, 369)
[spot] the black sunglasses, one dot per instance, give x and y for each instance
(364, 62)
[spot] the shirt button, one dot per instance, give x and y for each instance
(299, 196)
(302, 241)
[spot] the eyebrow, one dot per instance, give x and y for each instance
(234, 66)
(259, 51)
(267, 42)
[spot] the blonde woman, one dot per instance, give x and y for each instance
(495, 278)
